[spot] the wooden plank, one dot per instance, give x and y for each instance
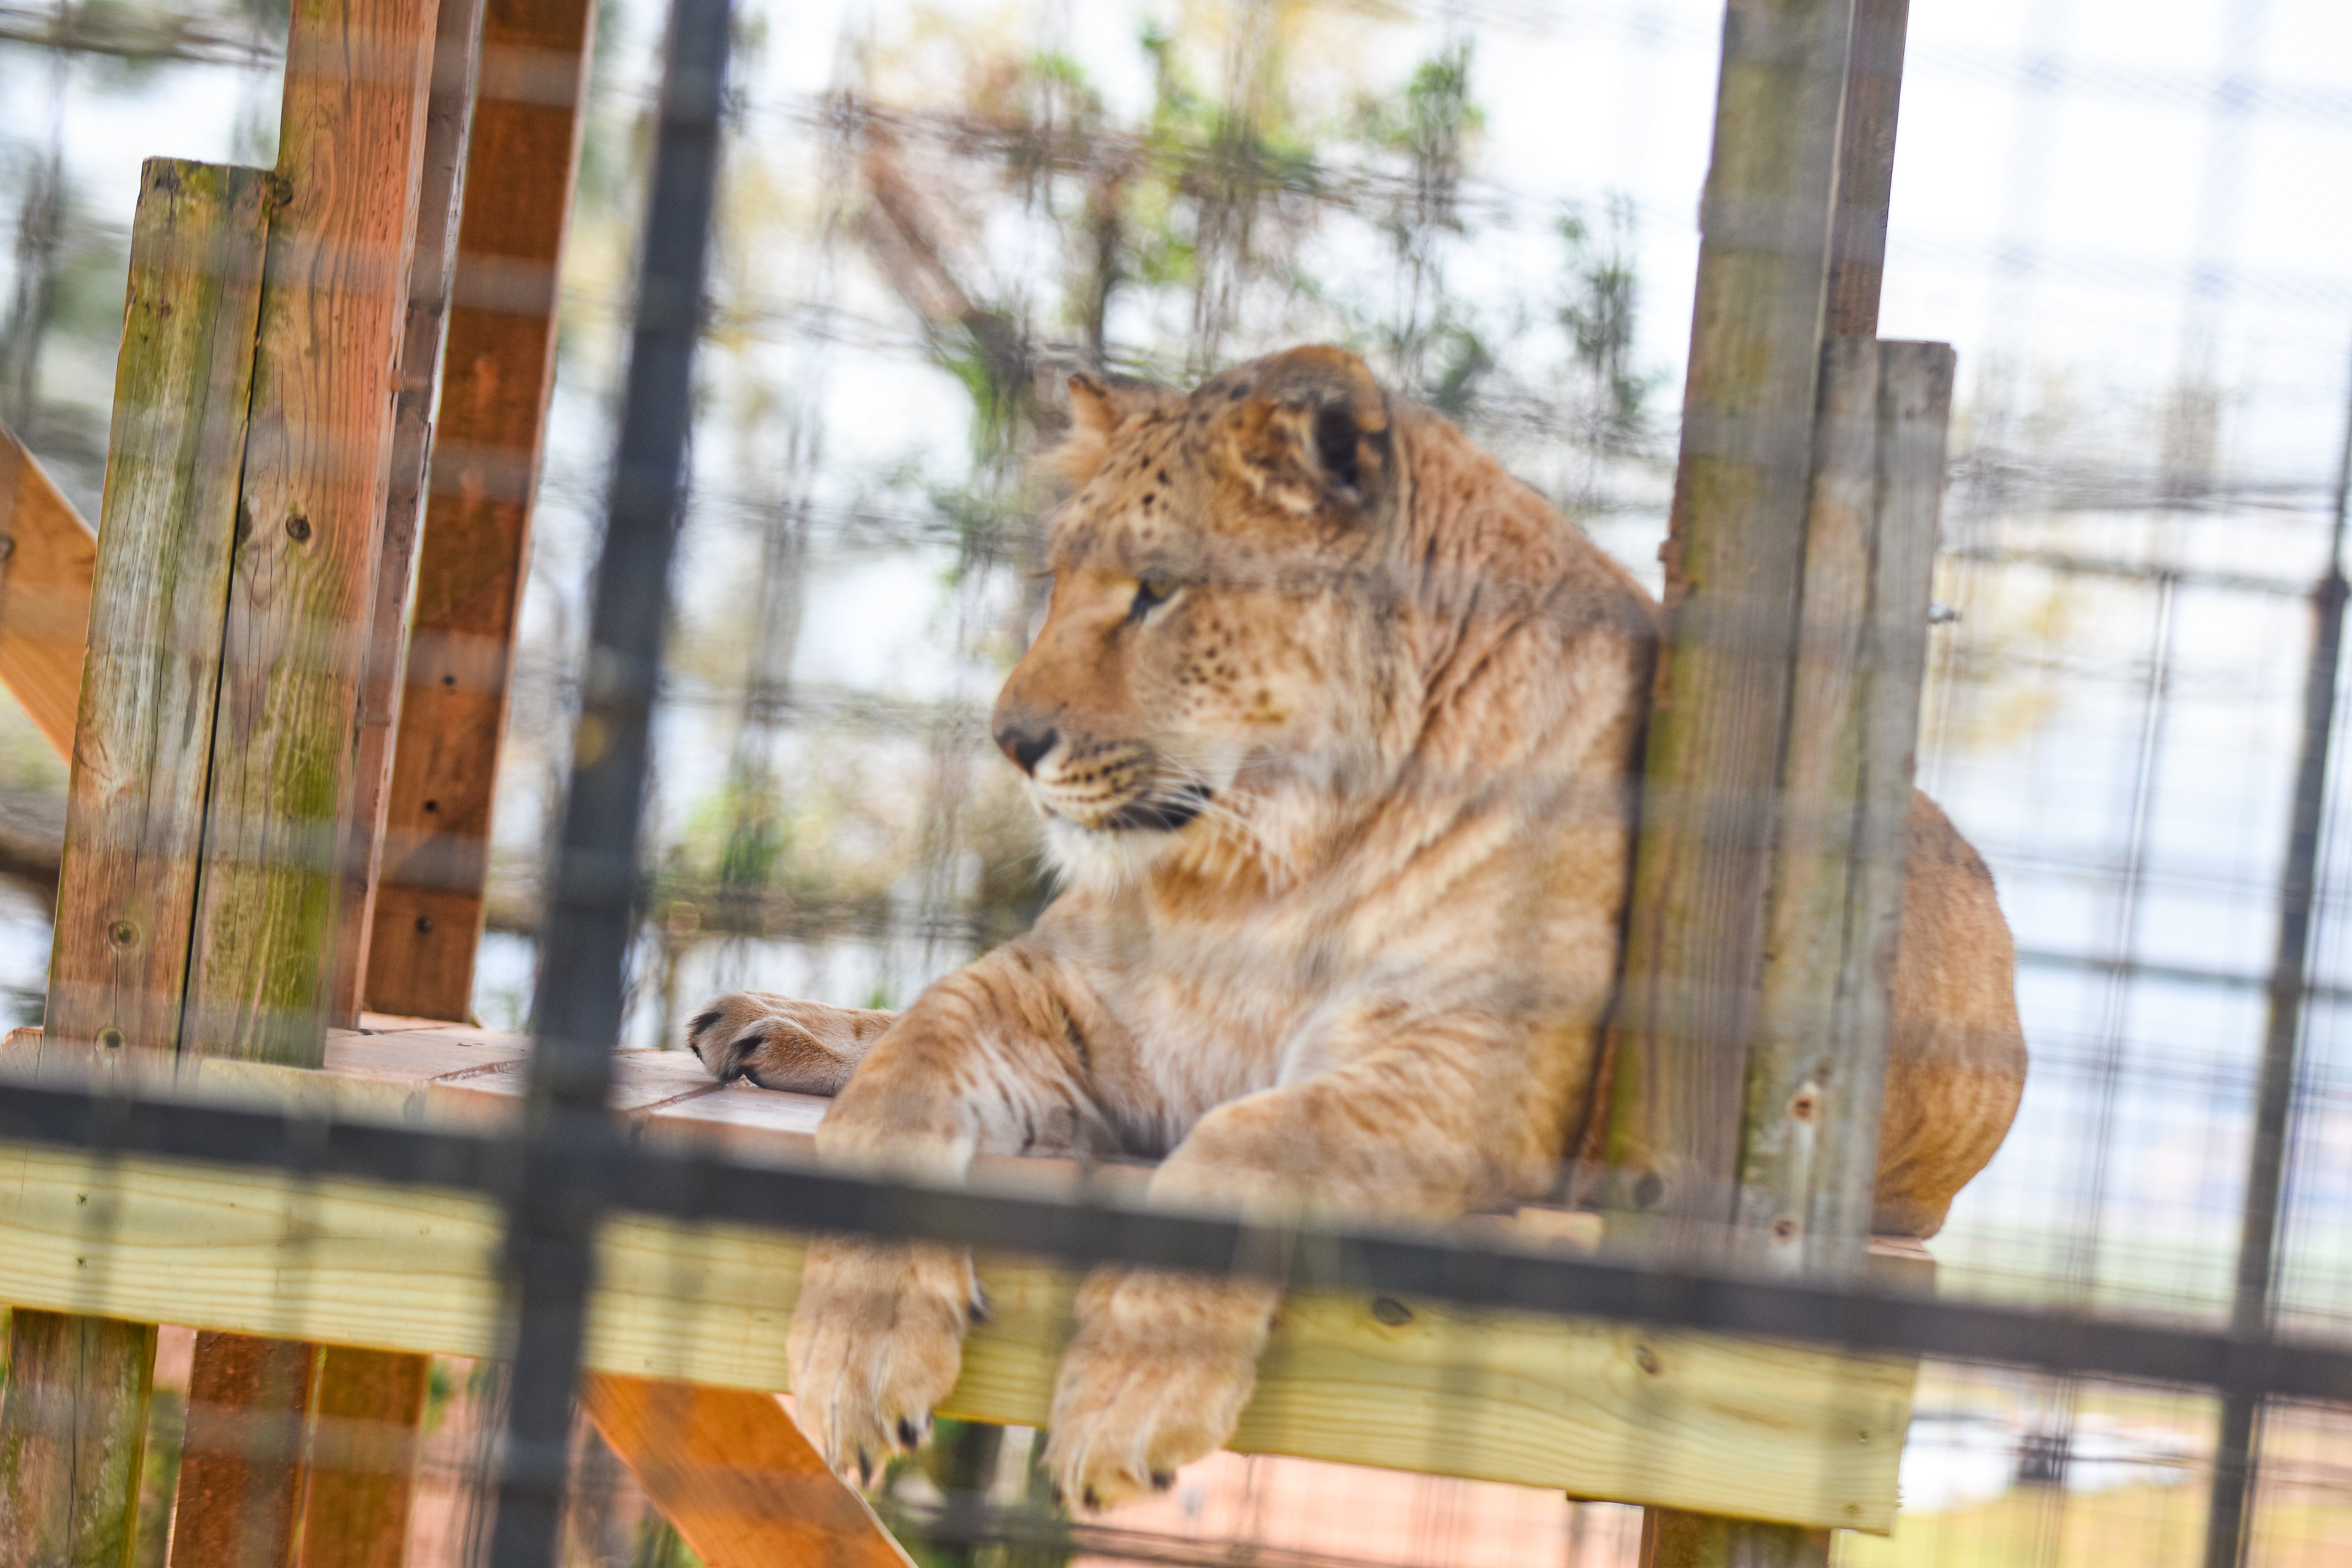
(728, 1468)
(303, 593)
(449, 119)
(1803, 154)
(1874, 95)
(1733, 561)
(301, 605)
(1692, 1421)
(135, 797)
(73, 1434)
(241, 1461)
(500, 367)
(48, 559)
(361, 1461)
(1817, 1071)
(135, 806)
(368, 1411)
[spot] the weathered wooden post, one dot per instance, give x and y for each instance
(74, 1414)
(426, 917)
(1768, 877)
(216, 740)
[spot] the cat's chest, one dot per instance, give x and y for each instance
(1209, 1015)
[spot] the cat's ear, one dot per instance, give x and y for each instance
(1311, 430)
(1099, 405)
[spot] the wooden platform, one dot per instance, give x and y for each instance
(1697, 1422)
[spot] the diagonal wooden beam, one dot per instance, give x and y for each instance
(730, 1470)
(48, 556)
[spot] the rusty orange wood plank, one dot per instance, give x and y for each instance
(728, 1468)
(449, 115)
(240, 1462)
(367, 1414)
(499, 364)
(48, 556)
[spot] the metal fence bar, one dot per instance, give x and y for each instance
(2226, 1536)
(554, 1209)
(1434, 1265)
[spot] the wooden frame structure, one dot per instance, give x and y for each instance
(300, 608)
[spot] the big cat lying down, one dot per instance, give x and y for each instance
(1334, 725)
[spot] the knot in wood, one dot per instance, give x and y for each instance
(1391, 1311)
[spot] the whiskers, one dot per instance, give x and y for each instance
(1273, 814)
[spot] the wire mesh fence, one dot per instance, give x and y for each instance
(926, 219)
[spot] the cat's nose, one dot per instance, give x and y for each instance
(1027, 744)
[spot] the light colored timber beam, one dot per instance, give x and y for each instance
(1691, 1421)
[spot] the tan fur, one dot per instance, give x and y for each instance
(1343, 799)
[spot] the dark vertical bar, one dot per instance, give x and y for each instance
(2233, 1457)
(554, 1206)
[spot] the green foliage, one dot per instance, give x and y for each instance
(1432, 118)
(1599, 310)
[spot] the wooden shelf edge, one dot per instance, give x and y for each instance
(1691, 1421)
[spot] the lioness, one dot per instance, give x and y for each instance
(1333, 724)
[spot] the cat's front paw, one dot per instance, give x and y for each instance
(1156, 1377)
(777, 1042)
(876, 1343)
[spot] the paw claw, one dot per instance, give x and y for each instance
(1156, 1376)
(874, 1347)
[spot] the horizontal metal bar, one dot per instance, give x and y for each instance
(2180, 974)
(599, 1167)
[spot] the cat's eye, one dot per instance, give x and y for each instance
(1150, 593)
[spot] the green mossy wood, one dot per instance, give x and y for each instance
(1734, 565)
(135, 804)
(73, 1433)
(301, 597)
